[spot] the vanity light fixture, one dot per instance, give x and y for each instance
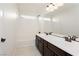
(53, 6)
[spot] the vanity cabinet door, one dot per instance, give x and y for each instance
(41, 47)
(48, 52)
(37, 43)
(56, 50)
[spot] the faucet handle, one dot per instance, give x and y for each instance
(74, 37)
(68, 38)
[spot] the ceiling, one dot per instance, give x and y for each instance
(65, 8)
(35, 9)
(32, 9)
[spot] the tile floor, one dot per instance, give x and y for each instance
(27, 51)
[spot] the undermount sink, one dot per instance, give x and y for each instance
(59, 35)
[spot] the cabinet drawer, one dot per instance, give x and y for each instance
(57, 51)
(39, 38)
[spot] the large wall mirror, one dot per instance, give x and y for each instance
(64, 20)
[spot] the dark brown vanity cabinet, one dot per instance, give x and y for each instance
(56, 50)
(41, 47)
(36, 42)
(39, 44)
(48, 49)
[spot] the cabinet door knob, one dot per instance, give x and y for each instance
(3, 39)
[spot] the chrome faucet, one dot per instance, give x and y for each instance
(68, 38)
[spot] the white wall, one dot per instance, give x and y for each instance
(1, 45)
(19, 32)
(68, 21)
(45, 24)
(8, 22)
(27, 27)
(26, 31)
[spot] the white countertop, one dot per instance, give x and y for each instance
(70, 47)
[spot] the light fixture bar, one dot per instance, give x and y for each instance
(53, 6)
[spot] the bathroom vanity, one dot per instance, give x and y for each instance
(49, 45)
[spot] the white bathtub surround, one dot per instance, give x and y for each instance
(70, 47)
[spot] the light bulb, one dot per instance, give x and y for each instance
(53, 6)
(50, 5)
(49, 9)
